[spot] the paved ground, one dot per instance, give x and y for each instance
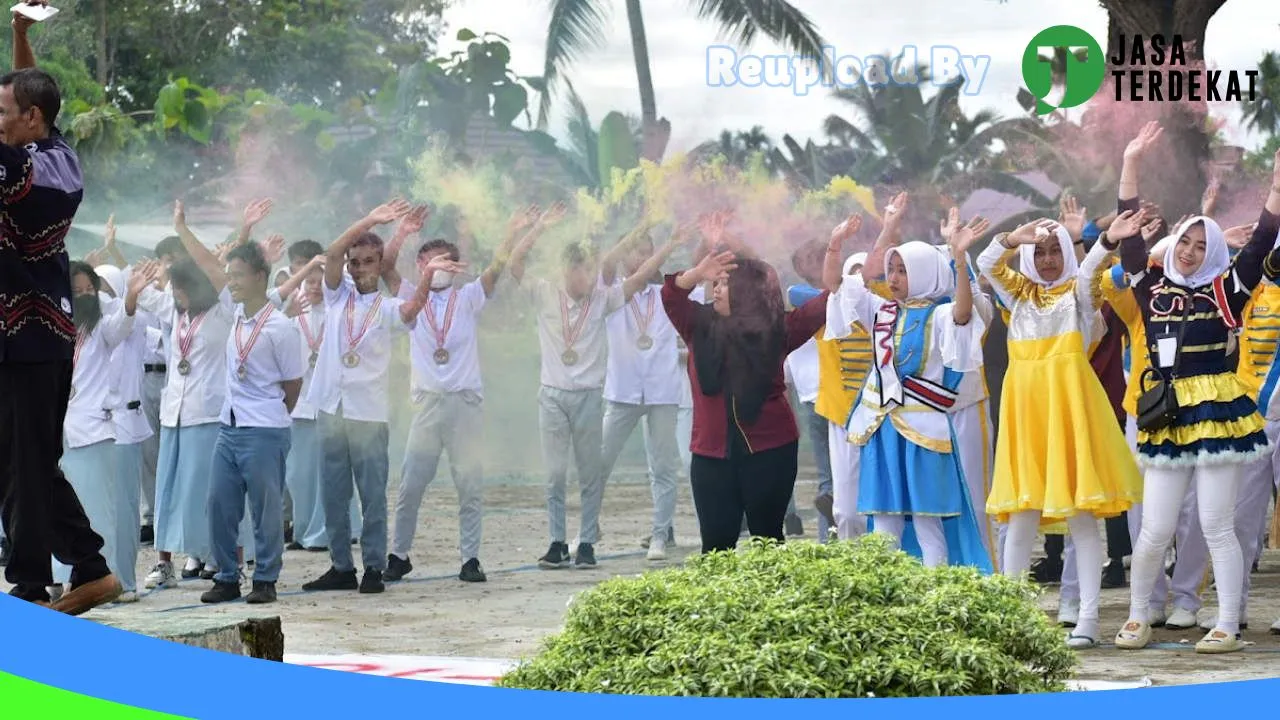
(434, 614)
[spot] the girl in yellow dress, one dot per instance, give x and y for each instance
(1055, 457)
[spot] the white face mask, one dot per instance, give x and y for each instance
(441, 279)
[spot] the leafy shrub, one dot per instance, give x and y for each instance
(848, 619)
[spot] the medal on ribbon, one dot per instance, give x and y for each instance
(244, 348)
(570, 356)
(187, 330)
(313, 341)
(75, 359)
(351, 359)
(644, 342)
(441, 331)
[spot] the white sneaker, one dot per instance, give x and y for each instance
(55, 592)
(1275, 628)
(1158, 618)
(1182, 619)
(657, 549)
(1068, 613)
(161, 576)
(129, 597)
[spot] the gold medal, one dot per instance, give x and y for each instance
(441, 357)
(351, 360)
(569, 357)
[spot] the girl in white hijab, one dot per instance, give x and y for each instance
(1190, 306)
(910, 479)
(1055, 459)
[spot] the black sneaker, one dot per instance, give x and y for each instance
(371, 583)
(794, 526)
(557, 557)
(585, 557)
(221, 592)
(288, 533)
(317, 549)
(333, 579)
(194, 573)
(294, 546)
(396, 568)
(147, 535)
(206, 573)
(1113, 575)
(825, 504)
(1047, 570)
(472, 572)
(263, 593)
(4, 552)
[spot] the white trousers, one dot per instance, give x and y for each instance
(1083, 529)
(974, 445)
(929, 533)
(844, 483)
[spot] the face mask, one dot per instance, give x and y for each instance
(441, 279)
(86, 311)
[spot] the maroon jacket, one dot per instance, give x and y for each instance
(776, 425)
(1108, 362)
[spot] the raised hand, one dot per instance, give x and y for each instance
(1238, 236)
(179, 217)
(962, 237)
(1209, 202)
(1072, 216)
(1150, 231)
(553, 214)
(390, 212)
(523, 218)
(144, 273)
(1031, 233)
(257, 211)
(442, 262)
(950, 224)
(1145, 140)
(712, 227)
(95, 257)
(845, 231)
(1128, 224)
(273, 249)
(22, 23)
(715, 266)
(411, 224)
(894, 212)
(109, 236)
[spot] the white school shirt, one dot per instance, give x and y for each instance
(195, 398)
(257, 401)
(590, 345)
(127, 371)
(635, 376)
(802, 367)
(89, 412)
(362, 392)
(697, 295)
(313, 319)
(462, 372)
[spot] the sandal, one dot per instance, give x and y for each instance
(1135, 635)
(1218, 642)
(1081, 642)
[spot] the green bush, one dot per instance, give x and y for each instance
(848, 619)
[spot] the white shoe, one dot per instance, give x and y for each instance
(129, 597)
(1157, 618)
(657, 549)
(1068, 613)
(1182, 619)
(161, 576)
(1275, 628)
(55, 592)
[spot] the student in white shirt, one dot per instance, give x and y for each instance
(132, 427)
(89, 461)
(571, 333)
(264, 375)
(641, 378)
(350, 392)
(155, 367)
(303, 293)
(447, 389)
(200, 313)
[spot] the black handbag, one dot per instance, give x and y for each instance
(1158, 405)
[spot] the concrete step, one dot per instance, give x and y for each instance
(255, 637)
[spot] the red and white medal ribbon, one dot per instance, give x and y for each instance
(313, 341)
(642, 323)
(353, 338)
(441, 332)
(243, 350)
(81, 336)
(187, 330)
(571, 334)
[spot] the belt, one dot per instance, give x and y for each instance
(155, 368)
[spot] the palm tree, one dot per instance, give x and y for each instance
(576, 25)
(1263, 112)
(737, 148)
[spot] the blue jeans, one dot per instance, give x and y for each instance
(354, 458)
(817, 427)
(248, 461)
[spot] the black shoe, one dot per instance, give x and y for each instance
(319, 548)
(288, 533)
(294, 546)
(397, 568)
(1113, 575)
(263, 593)
(371, 583)
(5, 552)
(333, 579)
(207, 573)
(794, 526)
(355, 541)
(221, 592)
(193, 574)
(147, 535)
(585, 557)
(825, 505)
(472, 572)
(1047, 570)
(1254, 570)
(557, 557)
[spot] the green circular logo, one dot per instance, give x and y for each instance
(1080, 66)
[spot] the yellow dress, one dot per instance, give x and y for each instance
(1059, 450)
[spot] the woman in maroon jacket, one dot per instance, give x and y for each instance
(745, 439)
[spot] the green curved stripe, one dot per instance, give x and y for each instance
(51, 702)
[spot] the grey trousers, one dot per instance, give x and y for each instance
(152, 387)
(572, 419)
(354, 460)
(620, 420)
(450, 423)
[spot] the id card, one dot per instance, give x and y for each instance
(1166, 350)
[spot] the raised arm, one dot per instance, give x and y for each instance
(960, 239)
(142, 277)
(609, 263)
(890, 234)
(23, 56)
(336, 255)
(414, 305)
(521, 221)
(832, 263)
(116, 324)
(409, 227)
(1090, 280)
(254, 213)
(1009, 284)
(1251, 261)
(521, 253)
(676, 289)
(109, 244)
(295, 281)
(203, 257)
(805, 321)
(636, 282)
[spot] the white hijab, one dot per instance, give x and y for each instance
(929, 274)
(1217, 257)
(854, 259)
(1070, 266)
(113, 278)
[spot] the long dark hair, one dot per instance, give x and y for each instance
(187, 276)
(741, 352)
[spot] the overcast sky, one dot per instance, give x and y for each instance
(605, 78)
